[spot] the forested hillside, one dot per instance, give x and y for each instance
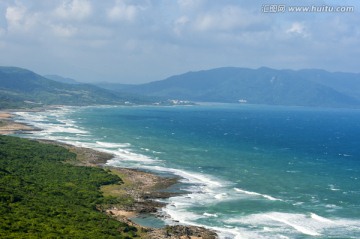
(43, 197)
(23, 88)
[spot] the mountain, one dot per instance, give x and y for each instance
(23, 88)
(61, 79)
(259, 86)
(347, 83)
(113, 86)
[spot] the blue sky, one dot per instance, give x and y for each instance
(137, 41)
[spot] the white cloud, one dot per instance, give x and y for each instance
(229, 18)
(15, 14)
(124, 12)
(74, 9)
(18, 18)
(190, 4)
(64, 31)
(298, 29)
(180, 24)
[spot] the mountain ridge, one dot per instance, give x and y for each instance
(307, 87)
(62, 79)
(24, 88)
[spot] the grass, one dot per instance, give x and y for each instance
(119, 191)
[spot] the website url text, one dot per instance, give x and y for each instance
(282, 8)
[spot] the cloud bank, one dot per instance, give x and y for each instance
(145, 40)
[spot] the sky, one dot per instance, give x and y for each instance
(138, 41)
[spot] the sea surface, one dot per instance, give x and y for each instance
(249, 171)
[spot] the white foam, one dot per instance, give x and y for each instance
(31, 117)
(210, 214)
(64, 129)
(54, 122)
(179, 214)
(320, 219)
(51, 122)
(332, 206)
(302, 229)
(278, 223)
(128, 156)
(230, 232)
(257, 194)
(221, 196)
(112, 145)
(333, 188)
(191, 177)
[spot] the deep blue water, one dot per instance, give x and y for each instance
(250, 171)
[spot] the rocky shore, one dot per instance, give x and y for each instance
(138, 194)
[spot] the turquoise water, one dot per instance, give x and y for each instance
(249, 171)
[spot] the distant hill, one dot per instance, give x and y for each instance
(61, 79)
(113, 86)
(23, 88)
(259, 86)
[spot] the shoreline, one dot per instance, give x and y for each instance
(139, 190)
(142, 187)
(9, 126)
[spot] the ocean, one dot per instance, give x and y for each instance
(247, 171)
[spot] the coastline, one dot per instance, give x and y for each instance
(138, 193)
(8, 126)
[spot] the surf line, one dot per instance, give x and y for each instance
(257, 194)
(296, 227)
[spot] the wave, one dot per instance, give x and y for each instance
(55, 125)
(275, 224)
(333, 187)
(112, 145)
(257, 194)
(320, 219)
(191, 177)
(126, 155)
(210, 214)
(51, 122)
(289, 221)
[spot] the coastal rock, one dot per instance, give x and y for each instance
(182, 232)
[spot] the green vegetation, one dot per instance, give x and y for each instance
(21, 88)
(42, 196)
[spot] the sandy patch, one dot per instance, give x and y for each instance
(121, 213)
(8, 126)
(5, 115)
